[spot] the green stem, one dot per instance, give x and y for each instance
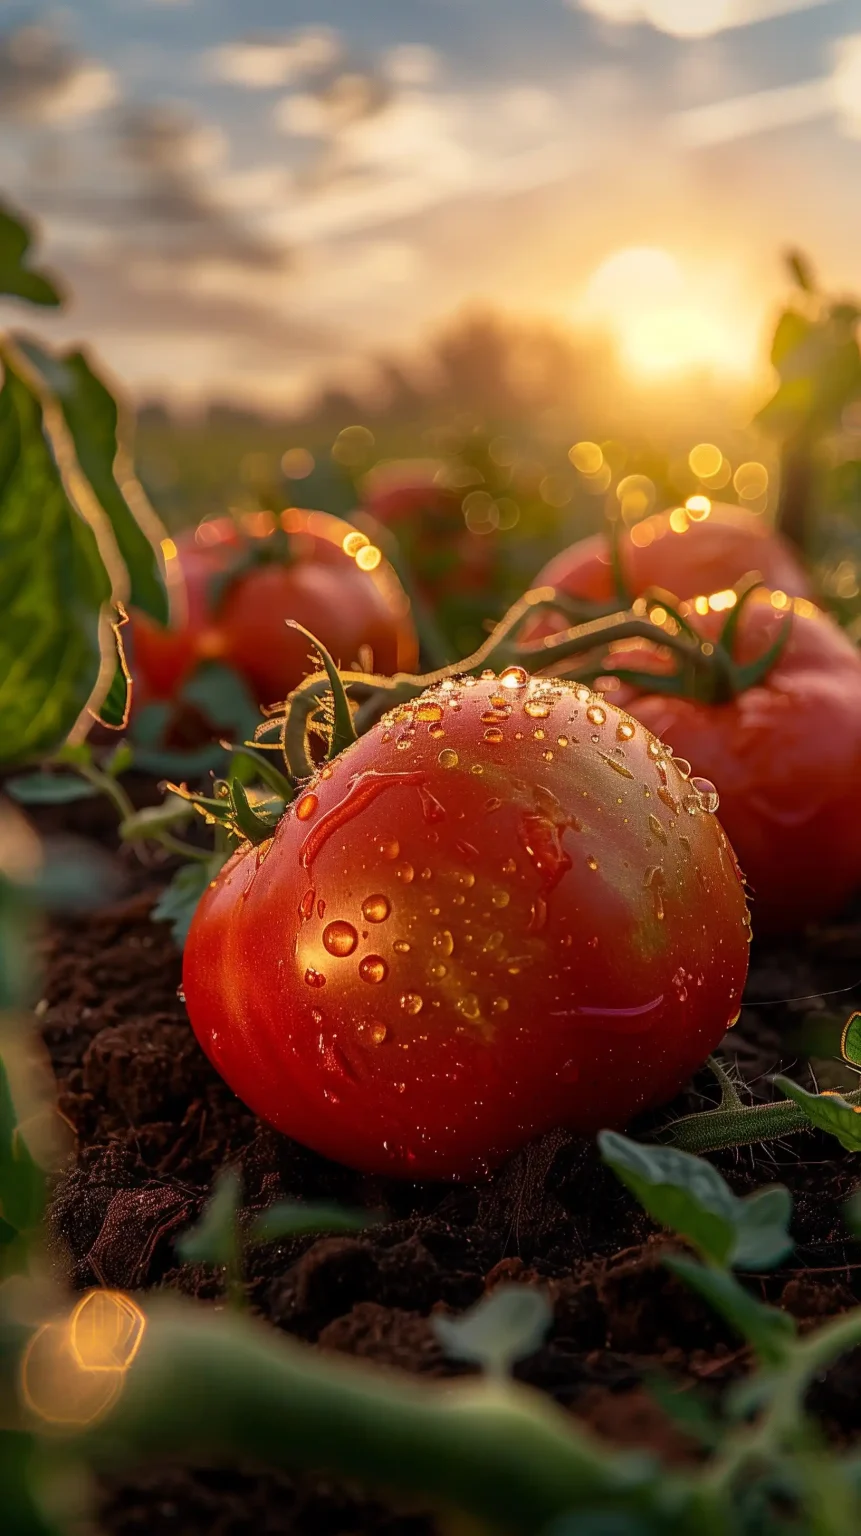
(223, 1385)
(185, 850)
(109, 787)
(713, 1130)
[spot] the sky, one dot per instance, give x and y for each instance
(246, 199)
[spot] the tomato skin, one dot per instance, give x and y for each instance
(709, 556)
(406, 496)
(323, 588)
(785, 757)
(524, 936)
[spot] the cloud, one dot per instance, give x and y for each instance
(411, 64)
(693, 18)
(261, 62)
(336, 105)
(43, 80)
(837, 94)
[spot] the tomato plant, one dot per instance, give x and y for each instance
(234, 586)
(503, 909)
(785, 753)
(685, 553)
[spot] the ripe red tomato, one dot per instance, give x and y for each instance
(445, 557)
(785, 757)
(702, 556)
(330, 585)
(502, 910)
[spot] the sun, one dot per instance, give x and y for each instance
(666, 320)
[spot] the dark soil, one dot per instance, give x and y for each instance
(154, 1124)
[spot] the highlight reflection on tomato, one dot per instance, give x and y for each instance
(505, 908)
(331, 580)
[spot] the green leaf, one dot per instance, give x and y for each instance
(850, 1041)
(174, 811)
(178, 904)
(827, 1111)
(255, 828)
(16, 276)
(771, 1333)
(502, 1328)
(220, 694)
(50, 789)
(688, 1195)
(53, 586)
(801, 270)
(92, 417)
(114, 708)
(790, 332)
(22, 1181)
(214, 1239)
(288, 1218)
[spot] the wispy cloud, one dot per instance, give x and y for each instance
(261, 62)
(43, 79)
(693, 18)
(837, 94)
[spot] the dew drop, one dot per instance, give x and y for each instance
(448, 758)
(500, 898)
(412, 1002)
(494, 735)
(499, 1005)
(426, 874)
(499, 701)
(709, 797)
(490, 717)
(509, 867)
(306, 907)
(653, 749)
(321, 908)
(459, 899)
(536, 709)
(401, 947)
(620, 768)
(437, 970)
(316, 1015)
(429, 711)
(537, 915)
(477, 768)
(592, 861)
(683, 767)
(513, 677)
(562, 741)
(668, 798)
(389, 848)
(469, 1006)
(624, 731)
(373, 968)
(547, 756)
(596, 715)
(378, 1033)
(340, 939)
(679, 982)
(400, 1087)
(493, 941)
(375, 909)
(436, 731)
(306, 807)
(656, 828)
(538, 734)
(443, 942)
(314, 978)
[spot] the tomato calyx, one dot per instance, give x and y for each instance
(251, 555)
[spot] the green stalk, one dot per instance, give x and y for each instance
(713, 1130)
(214, 1385)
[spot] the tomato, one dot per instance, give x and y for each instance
(427, 517)
(356, 608)
(704, 556)
(785, 757)
(501, 910)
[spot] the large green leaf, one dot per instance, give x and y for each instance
(688, 1195)
(16, 276)
(53, 585)
(827, 1111)
(93, 421)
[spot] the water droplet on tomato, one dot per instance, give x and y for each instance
(428, 710)
(469, 1006)
(375, 909)
(499, 1005)
(612, 762)
(709, 797)
(389, 848)
(592, 861)
(656, 828)
(668, 798)
(400, 1087)
(448, 758)
(683, 767)
(405, 873)
(537, 915)
(596, 715)
(437, 970)
(340, 938)
(401, 947)
(679, 982)
(624, 731)
(500, 898)
(306, 807)
(562, 741)
(373, 968)
(493, 941)
(306, 907)
(536, 709)
(314, 978)
(378, 1033)
(513, 677)
(477, 768)
(412, 1002)
(443, 942)
(436, 732)
(494, 735)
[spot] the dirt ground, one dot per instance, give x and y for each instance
(154, 1124)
